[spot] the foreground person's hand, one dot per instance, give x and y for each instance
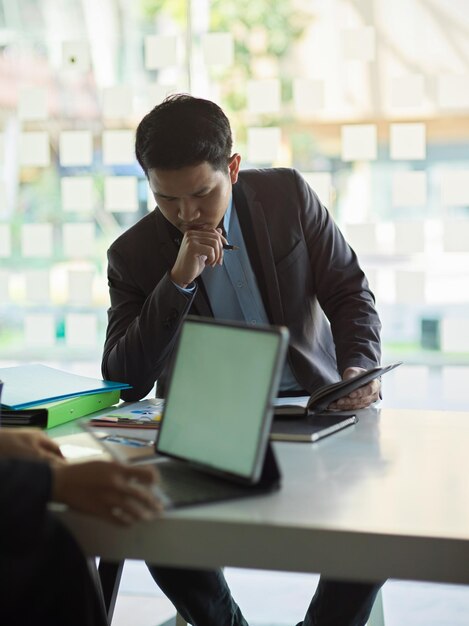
(29, 443)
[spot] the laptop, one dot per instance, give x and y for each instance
(213, 441)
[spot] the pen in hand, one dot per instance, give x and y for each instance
(227, 246)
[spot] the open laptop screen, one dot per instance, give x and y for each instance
(219, 401)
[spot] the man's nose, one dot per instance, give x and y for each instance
(188, 211)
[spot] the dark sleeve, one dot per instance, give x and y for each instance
(25, 488)
(141, 328)
(341, 286)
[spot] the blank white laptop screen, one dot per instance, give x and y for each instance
(221, 387)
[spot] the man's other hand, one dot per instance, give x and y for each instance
(361, 397)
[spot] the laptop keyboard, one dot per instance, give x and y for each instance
(184, 485)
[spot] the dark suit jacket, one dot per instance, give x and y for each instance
(308, 276)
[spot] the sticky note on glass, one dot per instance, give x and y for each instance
(77, 193)
(308, 95)
(410, 287)
(80, 287)
(419, 376)
(4, 286)
(407, 141)
(455, 336)
(37, 240)
(76, 56)
(218, 49)
(263, 96)
(358, 44)
(39, 330)
(118, 147)
(34, 149)
(359, 142)
(409, 237)
(408, 91)
(81, 330)
(37, 286)
(157, 93)
(2, 148)
(321, 184)
(32, 104)
(5, 241)
(453, 91)
(454, 186)
(409, 189)
(362, 237)
(454, 380)
(161, 51)
(75, 148)
(263, 144)
(456, 235)
(117, 102)
(120, 193)
(78, 240)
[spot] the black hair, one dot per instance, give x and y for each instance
(183, 131)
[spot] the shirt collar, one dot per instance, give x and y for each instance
(227, 216)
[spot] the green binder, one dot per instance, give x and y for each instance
(79, 406)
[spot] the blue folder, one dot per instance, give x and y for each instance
(26, 386)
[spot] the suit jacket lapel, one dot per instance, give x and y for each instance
(170, 240)
(256, 236)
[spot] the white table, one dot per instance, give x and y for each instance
(388, 497)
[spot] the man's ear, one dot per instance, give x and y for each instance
(233, 166)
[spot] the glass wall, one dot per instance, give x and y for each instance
(368, 99)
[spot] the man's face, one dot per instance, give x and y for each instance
(196, 196)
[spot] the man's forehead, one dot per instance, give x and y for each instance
(183, 181)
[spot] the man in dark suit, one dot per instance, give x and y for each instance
(256, 246)
(44, 576)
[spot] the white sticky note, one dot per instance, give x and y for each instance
(120, 193)
(410, 287)
(409, 237)
(359, 142)
(157, 93)
(37, 286)
(362, 237)
(454, 186)
(453, 91)
(358, 44)
(321, 184)
(308, 95)
(37, 240)
(81, 330)
(118, 147)
(407, 91)
(80, 287)
(263, 144)
(218, 49)
(2, 148)
(34, 149)
(77, 193)
(32, 104)
(160, 51)
(39, 330)
(407, 141)
(117, 102)
(151, 202)
(455, 335)
(409, 189)
(263, 96)
(78, 240)
(456, 235)
(3, 199)
(76, 56)
(5, 241)
(4, 286)
(76, 148)
(454, 380)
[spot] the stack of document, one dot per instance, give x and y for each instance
(45, 396)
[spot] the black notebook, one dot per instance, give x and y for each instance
(320, 399)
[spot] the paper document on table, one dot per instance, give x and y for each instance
(143, 414)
